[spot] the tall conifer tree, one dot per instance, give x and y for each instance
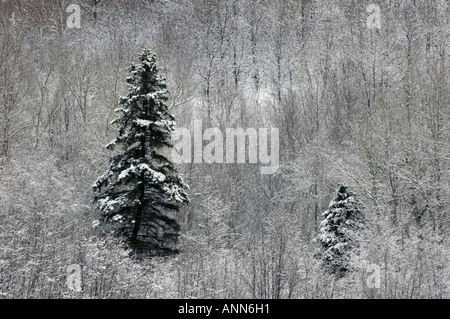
(141, 190)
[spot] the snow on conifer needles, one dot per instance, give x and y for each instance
(141, 188)
(339, 231)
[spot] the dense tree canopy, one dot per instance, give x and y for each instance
(354, 104)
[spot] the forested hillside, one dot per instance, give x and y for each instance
(360, 96)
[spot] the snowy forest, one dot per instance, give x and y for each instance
(357, 205)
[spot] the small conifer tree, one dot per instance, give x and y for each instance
(339, 232)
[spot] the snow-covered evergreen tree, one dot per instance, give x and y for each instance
(339, 231)
(141, 190)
